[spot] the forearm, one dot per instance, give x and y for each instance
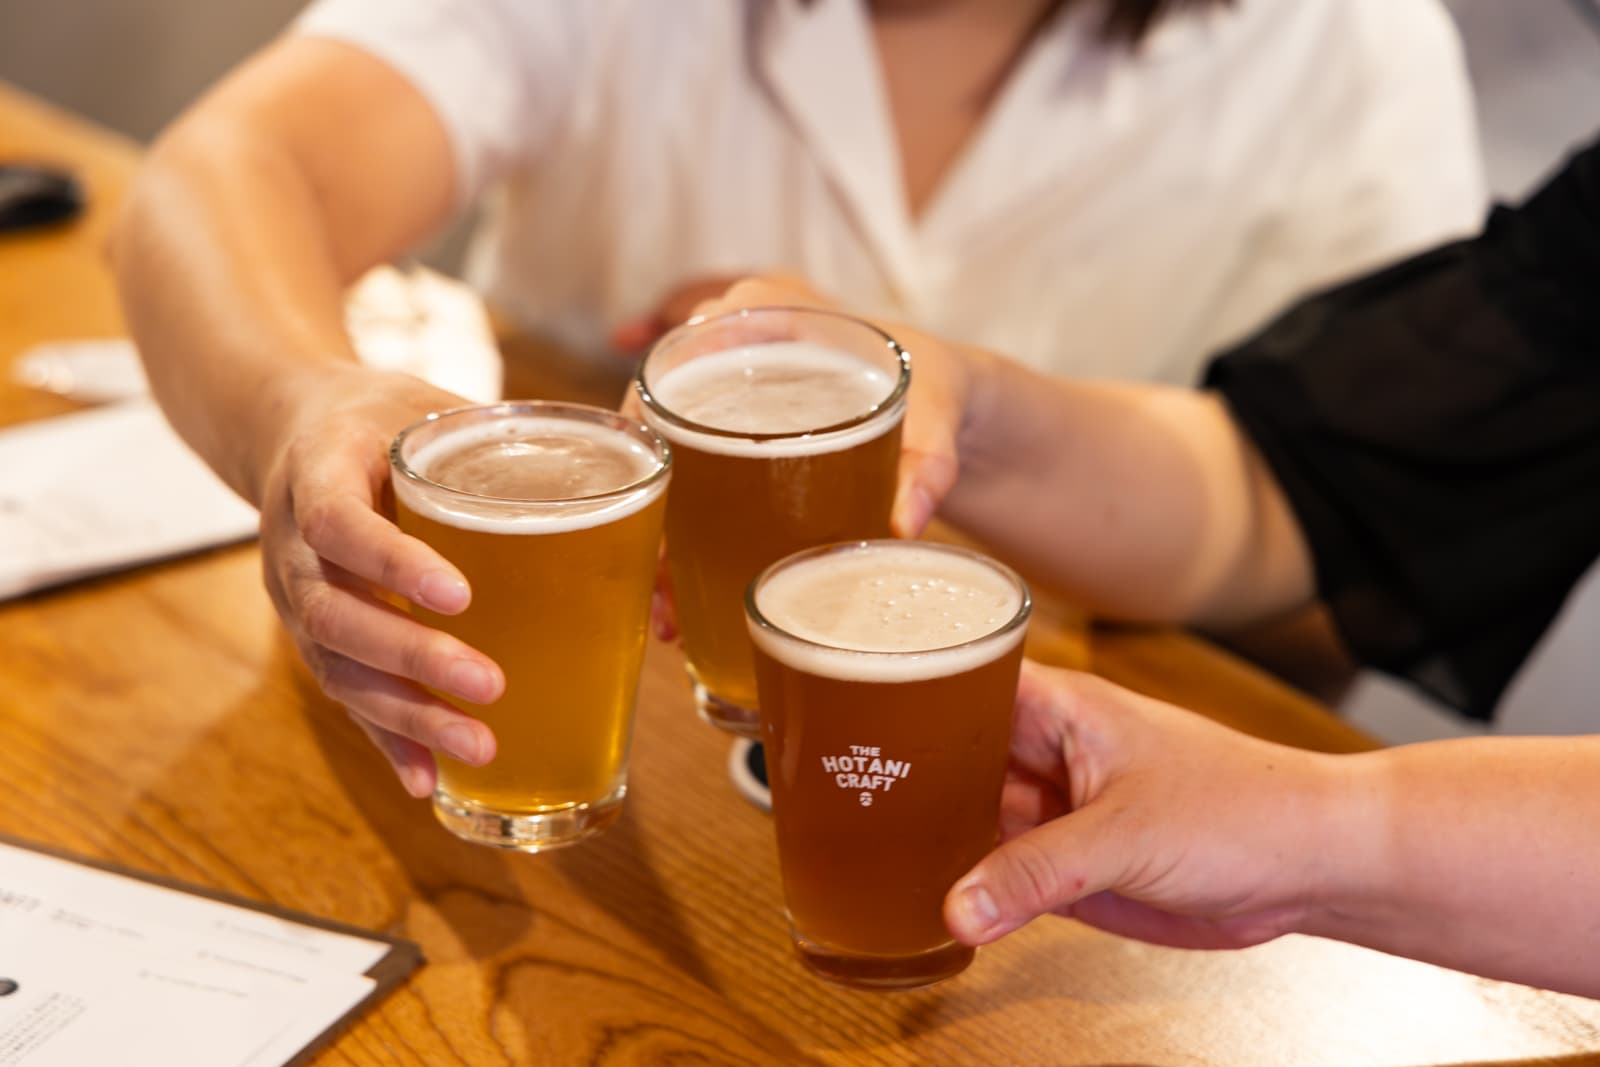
(1482, 855)
(232, 295)
(1140, 501)
(247, 223)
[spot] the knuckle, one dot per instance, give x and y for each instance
(316, 520)
(332, 672)
(1034, 881)
(419, 721)
(417, 658)
(394, 568)
(320, 614)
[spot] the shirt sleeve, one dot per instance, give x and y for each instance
(500, 74)
(1416, 107)
(1436, 429)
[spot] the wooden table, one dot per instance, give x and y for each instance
(160, 719)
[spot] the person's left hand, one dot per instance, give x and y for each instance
(1151, 822)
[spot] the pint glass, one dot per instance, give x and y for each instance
(553, 513)
(888, 673)
(785, 430)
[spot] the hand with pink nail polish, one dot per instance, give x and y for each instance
(634, 337)
(935, 408)
(335, 564)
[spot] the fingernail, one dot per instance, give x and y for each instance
(658, 625)
(915, 512)
(415, 781)
(975, 911)
(461, 741)
(443, 592)
(470, 680)
(631, 335)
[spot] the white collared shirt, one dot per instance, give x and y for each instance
(1117, 215)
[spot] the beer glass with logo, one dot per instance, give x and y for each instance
(888, 672)
(785, 430)
(553, 513)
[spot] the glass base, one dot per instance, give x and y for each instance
(526, 831)
(724, 714)
(883, 973)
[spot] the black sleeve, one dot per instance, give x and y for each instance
(1436, 429)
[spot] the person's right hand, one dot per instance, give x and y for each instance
(634, 337)
(1153, 822)
(935, 408)
(942, 375)
(333, 563)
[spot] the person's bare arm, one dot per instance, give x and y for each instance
(1156, 823)
(1480, 854)
(1140, 501)
(310, 164)
(251, 215)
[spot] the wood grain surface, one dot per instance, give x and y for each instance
(160, 719)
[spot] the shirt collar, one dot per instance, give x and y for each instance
(818, 61)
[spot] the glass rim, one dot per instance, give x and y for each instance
(1018, 619)
(582, 412)
(894, 399)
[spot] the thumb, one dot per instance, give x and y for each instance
(929, 460)
(926, 475)
(684, 302)
(1045, 870)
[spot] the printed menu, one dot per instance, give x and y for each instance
(104, 965)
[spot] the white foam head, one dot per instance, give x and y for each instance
(889, 611)
(777, 387)
(554, 474)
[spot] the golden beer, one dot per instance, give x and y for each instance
(553, 514)
(785, 428)
(888, 672)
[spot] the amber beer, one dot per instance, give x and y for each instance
(553, 513)
(785, 429)
(888, 671)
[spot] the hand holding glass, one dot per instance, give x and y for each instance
(785, 428)
(553, 513)
(888, 672)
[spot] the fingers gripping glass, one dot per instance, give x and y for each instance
(887, 674)
(785, 428)
(553, 514)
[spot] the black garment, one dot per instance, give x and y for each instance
(1436, 428)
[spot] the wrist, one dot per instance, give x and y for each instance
(1351, 843)
(285, 395)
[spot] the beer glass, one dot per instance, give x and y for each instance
(785, 430)
(553, 513)
(888, 672)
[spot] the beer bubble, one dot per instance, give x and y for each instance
(780, 387)
(869, 600)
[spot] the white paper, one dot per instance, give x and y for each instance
(103, 489)
(75, 895)
(100, 491)
(415, 321)
(111, 969)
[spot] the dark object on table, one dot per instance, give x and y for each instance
(34, 195)
(747, 768)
